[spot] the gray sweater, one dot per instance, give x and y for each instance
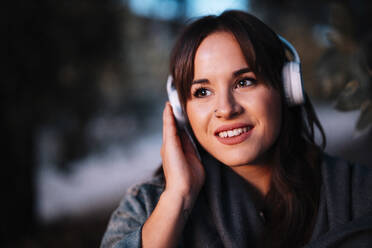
(344, 217)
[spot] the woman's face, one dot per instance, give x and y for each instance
(233, 114)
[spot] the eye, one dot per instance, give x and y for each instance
(245, 82)
(201, 92)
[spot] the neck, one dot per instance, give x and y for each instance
(259, 174)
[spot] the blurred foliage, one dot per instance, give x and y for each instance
(58, 50)
(80, 73)
(69, 232)
(338, 64)
(55, 52)
(351, 39)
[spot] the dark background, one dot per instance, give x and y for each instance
(82, 76)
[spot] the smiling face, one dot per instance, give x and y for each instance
(234, 115)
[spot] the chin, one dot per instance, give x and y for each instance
(237, 158)
(238, 162)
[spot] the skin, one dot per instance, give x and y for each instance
(184, 177)
(239, 98)
(242, 98)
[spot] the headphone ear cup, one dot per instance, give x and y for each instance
(175, 102)
(292, 83)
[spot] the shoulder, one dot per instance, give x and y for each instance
(135, 207)
(358, 175)
(348, 182)
(344, 217)
(149, 186)
(331, 161)
(144, 195)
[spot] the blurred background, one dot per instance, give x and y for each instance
(84, 87)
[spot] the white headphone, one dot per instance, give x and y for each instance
(292, 84)
(292, 77)
(175, 102)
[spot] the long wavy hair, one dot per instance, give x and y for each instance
(294, 192)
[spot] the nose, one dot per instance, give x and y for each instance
(227, 106)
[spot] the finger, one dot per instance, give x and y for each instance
(188, 146)
(170, 136)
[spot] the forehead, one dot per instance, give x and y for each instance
(218, 53)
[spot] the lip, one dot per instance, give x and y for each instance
(230, 127)
(236, 139)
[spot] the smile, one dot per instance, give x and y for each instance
(234, 132)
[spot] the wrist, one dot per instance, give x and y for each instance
(185, 199)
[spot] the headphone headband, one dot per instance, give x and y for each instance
(290, 48)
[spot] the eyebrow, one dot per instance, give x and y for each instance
(235, 74)
(200, 81)
(241, 71)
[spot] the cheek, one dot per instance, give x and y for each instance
(272, 115)
(198, 115)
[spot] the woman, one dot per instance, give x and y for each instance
(261, 181)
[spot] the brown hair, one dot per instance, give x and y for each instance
(294, 194)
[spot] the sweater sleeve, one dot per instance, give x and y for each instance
(125, 226)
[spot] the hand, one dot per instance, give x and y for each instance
(184, 173)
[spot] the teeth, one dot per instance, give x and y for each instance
(237, 131)
(234, 132)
